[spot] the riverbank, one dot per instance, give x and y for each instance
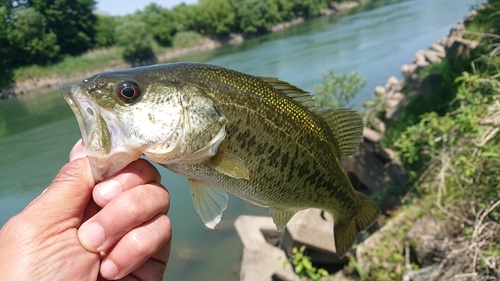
(31, 85)
(443, 120)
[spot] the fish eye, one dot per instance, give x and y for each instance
(128, 91)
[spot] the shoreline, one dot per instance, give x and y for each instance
(47, 83)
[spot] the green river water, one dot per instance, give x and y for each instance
(38, 130)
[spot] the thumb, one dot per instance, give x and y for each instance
(68, 194)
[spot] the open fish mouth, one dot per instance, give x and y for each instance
(106, 152)
(81, 105)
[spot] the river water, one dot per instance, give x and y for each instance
(38, 130)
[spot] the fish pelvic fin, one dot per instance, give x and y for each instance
(209, 202)
(345, 231)
(347, 127)
(281, 217)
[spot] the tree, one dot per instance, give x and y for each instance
(29, 38)
(184, 17)
(133, 37)
(215, 17)
(159, 22)
(337, 90)
(309, 8)
(105, 31)
(257, 15)
(72, 21)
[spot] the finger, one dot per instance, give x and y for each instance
(68, 194)
(136, 173)
(154, 268)
(78, 151)
(125, 212)
(137, 247)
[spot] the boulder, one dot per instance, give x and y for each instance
(408, 69)
(372, 170)
(432, 56)
(380, 91)
(426, 238)
(314, 229)
(371, 135)
(261, 260)
(439, 49)
(460, 47)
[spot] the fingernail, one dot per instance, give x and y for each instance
(109, 189)
(91, 236)
(109, 270)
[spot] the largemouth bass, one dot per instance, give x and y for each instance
(258, 138)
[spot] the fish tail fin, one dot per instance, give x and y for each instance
(345, 230)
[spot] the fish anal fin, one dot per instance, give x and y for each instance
(346, 230)
(347, 127)
(208, 202)
(281, 217)
(229, 164)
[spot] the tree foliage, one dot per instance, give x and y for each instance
(44, 31)
(337, 90)
(72, 21)
(105, 31)
(215, 17)
(258, 15)
(135, 40)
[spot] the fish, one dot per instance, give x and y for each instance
(259, 138)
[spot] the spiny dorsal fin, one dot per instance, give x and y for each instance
(346, 126)
(298, 95)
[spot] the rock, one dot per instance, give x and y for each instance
(419, 57)
(314, 229)
(378, 125)
(422, 274)
(408, 69)
(426, 238)
(261, 260)
(372, 170)
(439, 49)
(380, 91)
(392, 85)
(344, 5)
(371, 135)
(460, 47)
(432, 56)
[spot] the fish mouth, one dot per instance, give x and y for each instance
(101, 135)
(82, 108)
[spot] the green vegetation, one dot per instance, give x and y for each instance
(337, 91)
(303, 266)
(449, 143)
(43, 35)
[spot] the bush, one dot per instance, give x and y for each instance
(187, 38)
(133, 37)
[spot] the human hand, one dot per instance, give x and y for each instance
(77, 230)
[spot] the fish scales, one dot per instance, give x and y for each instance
(278, 114)
(258, 138)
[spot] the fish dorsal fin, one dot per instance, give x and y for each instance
(229, 164)
(346, 126)
(281, 217)
(209, 202)
(295, 93)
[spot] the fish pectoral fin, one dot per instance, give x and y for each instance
(230, 165)
(209, 202)
(281, 217)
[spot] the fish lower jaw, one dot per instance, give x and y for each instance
(105, 166)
